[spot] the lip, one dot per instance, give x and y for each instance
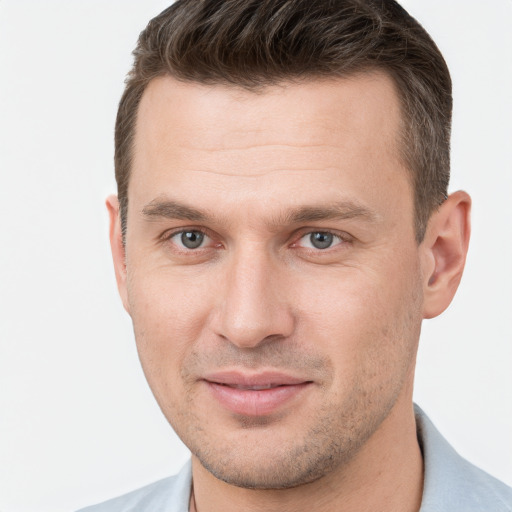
(254, 394)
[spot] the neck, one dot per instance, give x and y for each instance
(386, 475)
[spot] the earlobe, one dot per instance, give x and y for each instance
(444, 252)
(118, 248)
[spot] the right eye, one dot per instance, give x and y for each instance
(189, 239)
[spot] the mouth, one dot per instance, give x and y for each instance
(249, 387)
(255, 394)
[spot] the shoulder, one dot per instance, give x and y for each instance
(171, 494)
(451, 483)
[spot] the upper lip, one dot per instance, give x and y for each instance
(262, 380)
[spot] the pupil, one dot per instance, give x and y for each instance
(192, 239)
(321, 240)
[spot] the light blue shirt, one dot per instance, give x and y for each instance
(451, 484)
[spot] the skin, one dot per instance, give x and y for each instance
(257, 173)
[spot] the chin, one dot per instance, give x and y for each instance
(274, 474)
(265, 458)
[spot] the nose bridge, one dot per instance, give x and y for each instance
(252, 308)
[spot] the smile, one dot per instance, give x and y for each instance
(251, 388)
(255, 395)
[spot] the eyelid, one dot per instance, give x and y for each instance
(343, 236)
(167, 235)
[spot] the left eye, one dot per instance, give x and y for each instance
(319, 240)
(190, 239)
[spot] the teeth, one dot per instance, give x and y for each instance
(255, 388)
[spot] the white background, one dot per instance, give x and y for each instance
(77, 421)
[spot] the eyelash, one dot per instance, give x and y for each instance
(343, 238)
(169, 235)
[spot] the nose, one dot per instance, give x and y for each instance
(252, 308)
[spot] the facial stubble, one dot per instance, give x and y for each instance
(246, 453)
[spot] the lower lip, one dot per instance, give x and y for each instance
(261, 402)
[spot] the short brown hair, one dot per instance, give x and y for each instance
(255, 43)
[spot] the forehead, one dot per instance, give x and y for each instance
(318, 137)
(314, 112)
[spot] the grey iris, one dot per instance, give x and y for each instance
(321, 240)
(192, 239)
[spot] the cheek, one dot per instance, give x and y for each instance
(365, 321)
(168, 314)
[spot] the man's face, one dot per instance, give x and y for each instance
(273, 276)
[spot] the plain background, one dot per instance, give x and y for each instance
(77, 421)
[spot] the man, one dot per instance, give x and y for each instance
(281, 229)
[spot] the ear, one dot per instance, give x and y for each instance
(118, 249)
(444, 250)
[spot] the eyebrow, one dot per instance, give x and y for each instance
(337, 211)
(170, 209)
